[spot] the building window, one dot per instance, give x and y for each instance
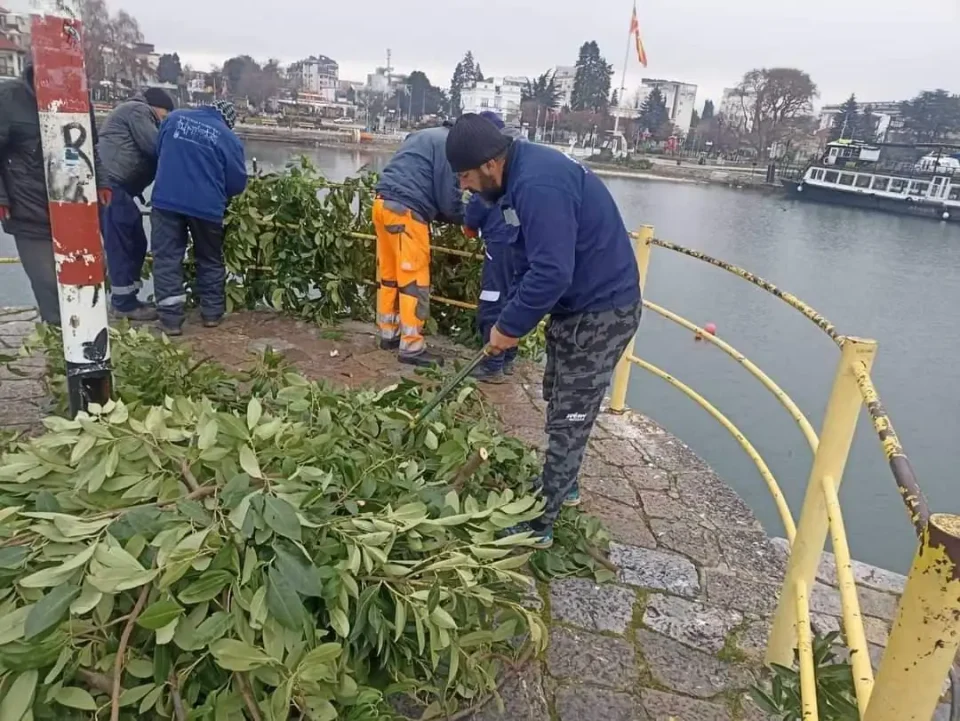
(918, 188)
(846, 179)
(954, 192)
(484, 103)
(880, 183)
(831, 176)
(898, 186)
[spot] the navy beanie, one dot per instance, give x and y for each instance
(493, 118)
(157, 98)
(473, 141)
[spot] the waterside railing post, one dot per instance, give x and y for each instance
(926, 634)
(836, 437)
(642, 245)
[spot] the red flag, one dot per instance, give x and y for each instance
(635, 31)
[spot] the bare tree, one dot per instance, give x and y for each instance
(110, 46)
(771, 98)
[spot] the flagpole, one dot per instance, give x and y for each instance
(623, 80)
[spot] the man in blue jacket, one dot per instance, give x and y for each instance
(201, 166)
(496, 279)
(416, 188)
(128, 149)
(575, 263)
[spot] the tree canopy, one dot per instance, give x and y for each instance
(931, 116)
(773, 98)
(465, 75)
(591, 86)
(654, 115)
(169, 69)
(109, 45)
(543, 91)
(708, 110)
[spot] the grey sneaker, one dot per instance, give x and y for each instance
(141, 314)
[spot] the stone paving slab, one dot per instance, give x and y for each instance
(679, 638)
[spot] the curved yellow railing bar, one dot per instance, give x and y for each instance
(782, 508)
(785, 400)
(808, 679)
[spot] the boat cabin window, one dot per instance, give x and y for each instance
(919, 188)
(881, 183)
(831, 176)
(846, 179)
(954, 193)
(898, 186)
(818, 174)
(863, 181)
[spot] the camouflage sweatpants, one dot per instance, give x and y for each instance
(582, 352)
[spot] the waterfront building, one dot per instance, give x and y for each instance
(11, 58)
(681, 99)
(14, 42)
(564, 77)
(886, 114)
(501, 95)
(319, 75)
(736, 107)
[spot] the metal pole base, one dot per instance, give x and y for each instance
(88, 383)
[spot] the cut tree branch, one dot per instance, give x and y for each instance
(470, 467)
(122, 650)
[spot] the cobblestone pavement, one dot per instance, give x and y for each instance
(679, 636)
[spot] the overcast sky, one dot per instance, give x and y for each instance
(880, 49)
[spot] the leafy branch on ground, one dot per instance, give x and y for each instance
(218, 545)
(836, 694)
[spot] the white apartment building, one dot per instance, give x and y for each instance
(681, 99)
(319, 75)
(564, 77)
(497, 94)
(14, 42)
(736, 107)
(887, 114)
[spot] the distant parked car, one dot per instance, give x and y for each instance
(343, 121)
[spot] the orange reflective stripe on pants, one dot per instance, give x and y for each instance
(403, 264)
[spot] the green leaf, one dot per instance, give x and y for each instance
(304, 576)
(321, 709)
(205, 588)
(13, 557)
(49, 611)
(340, 622)
(443, 619)
(13, 624)
(73, 697)
(282, 518)
(249, 462)
(254, 413)
(160, 614)
(134, 695)
(283, 603)
(238, 656)
(56, 575)
(19, 697)
(430, 441)
(317, 665)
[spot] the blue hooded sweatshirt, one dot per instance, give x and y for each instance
(574, 254)
(200, 166)
(419, 177)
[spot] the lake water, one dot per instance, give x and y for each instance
(881, 276)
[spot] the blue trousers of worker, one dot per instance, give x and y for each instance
(169, 242)
(496, 282)
(125, 244)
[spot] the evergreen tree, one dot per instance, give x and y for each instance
(464, 76)
(614, 100)
(591, 85)
(169, 69)
(477, 74)
(694, 121)
(708, 110)
(653, 112)
(847, 123)
(543, 91)
(868, 125)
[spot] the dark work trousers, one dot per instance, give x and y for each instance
(169, 243)
(496, 283)
(582, 352)
(125, 244)
(35, 248)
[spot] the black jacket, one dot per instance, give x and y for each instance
(23, 185)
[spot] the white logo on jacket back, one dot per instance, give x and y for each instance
(194, 131)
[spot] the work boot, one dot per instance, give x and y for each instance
(391, 345)
(423, 359)
(510, 367)
(486, 375)
(170, 327)
(212, 322)
(138, 314)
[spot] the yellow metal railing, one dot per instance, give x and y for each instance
(926, 634)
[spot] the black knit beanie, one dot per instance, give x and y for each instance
(158, 98)
(473, 141)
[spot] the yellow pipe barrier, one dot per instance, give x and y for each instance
(808, 678)
(785, 400)
(779, 500)
(433, 248)
(853, 631)
(822, 323)
(900, 465)
(836, 437)
(926, 634)
(621, 375)
(9, 261)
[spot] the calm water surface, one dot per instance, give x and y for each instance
(890, 278)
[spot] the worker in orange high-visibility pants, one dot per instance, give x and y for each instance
(416, 188)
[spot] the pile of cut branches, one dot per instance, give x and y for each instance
(225, 546)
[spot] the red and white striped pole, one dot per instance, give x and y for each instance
(63, 101)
